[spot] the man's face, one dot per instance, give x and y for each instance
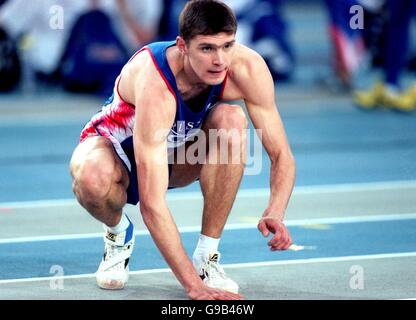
(210, 56)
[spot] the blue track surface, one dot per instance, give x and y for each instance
(329, 147)
(34, 259)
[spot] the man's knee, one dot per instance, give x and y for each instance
(229, 125)
(227, 135)
(228, 117)
(92, 181)
(92, 175)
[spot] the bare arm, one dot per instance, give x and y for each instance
(155, 113)
(257, 88)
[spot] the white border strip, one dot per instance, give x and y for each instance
(243, 193)
(237, 265)
(235, 226)
(322, 260)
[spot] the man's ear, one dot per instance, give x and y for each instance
(181, 44)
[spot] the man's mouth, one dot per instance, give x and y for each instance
(216, 71)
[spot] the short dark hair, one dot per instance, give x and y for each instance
(206, 17)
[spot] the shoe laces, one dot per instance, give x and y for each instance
(215, 270)
(112, 250)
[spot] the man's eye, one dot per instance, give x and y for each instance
(206, 49)
(228, 46)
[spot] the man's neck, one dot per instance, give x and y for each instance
(189, 90)
(189, 85)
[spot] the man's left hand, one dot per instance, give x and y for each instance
(281, 237)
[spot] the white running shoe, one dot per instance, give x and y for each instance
(213, 274)
(113, 271)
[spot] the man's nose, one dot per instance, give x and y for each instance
(219, 58)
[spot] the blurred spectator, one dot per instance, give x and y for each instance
(44, 42)
(376, 24)
(10, 66)
(135, 21)
(388, 93)
(93, 56)
(264, 29)
(41, 46)
(168, 26)
(347, 42)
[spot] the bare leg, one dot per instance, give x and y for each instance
(220, 181)
(220, 178)
(99, 179)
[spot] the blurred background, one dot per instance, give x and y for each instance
(344, 73)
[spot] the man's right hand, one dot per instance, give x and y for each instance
(207, 293)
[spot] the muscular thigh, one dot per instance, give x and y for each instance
(97, 153)
(184, 170)
(187, 162)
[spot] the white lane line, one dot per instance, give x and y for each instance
(235, 226)
(44, 120)
(353, 219)
(38, 204)
(236, 266)
(323, 260)
(243, 193)
(79, 276)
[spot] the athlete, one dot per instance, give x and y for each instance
(165, 99)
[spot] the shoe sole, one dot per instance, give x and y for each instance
(111, 285)
(225, 289)
(232, 291)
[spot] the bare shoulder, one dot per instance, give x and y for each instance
(140, 79)
(245, 61)
(248, 75)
